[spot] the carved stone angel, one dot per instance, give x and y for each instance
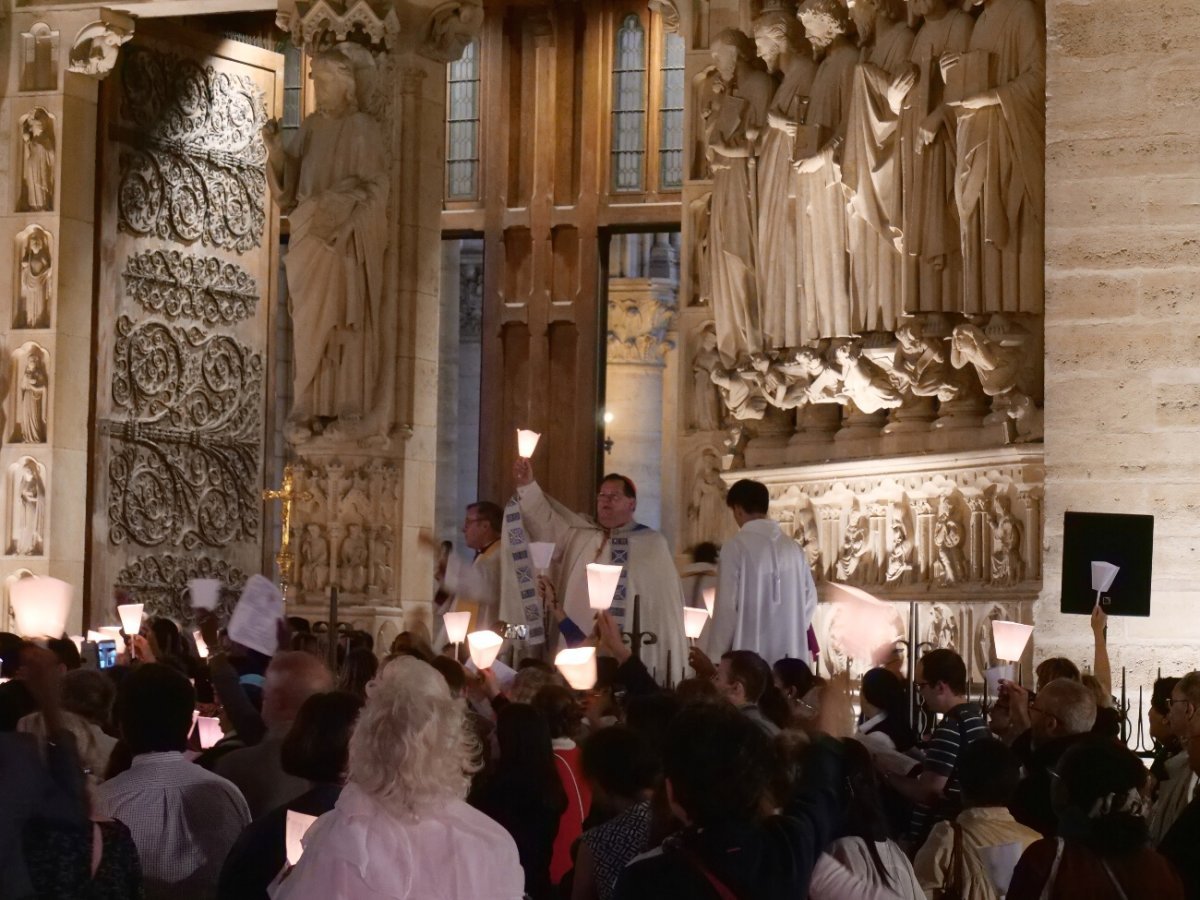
(863, 382)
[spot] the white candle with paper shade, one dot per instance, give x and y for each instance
(527, 442)
(201, 645)
(602, 584)
(205, 592)
(456, 624)
(710, 599)
(578, 666)
(1011, 638)
(866, 626)
(112, 633)
(40, 606)
(694, 620)
(210, 731)
(541, 552)
(485, 647)
(297, 827)
(131, 617)
(1103, 575)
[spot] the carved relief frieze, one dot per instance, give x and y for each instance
(187, 437)
(160, 581)
(182, 285)
(640, 313)
(194, 167)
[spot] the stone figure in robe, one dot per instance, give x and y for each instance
(871, 163)
(706, 507)
(37, 163)
(919, 364)
(782, 47)
(1001, 365)
(314, 559)
(37, 273)
(741, 393)
(948, 536)
(352, 566)
(1008, 566)
(1001, 157)
(932, 260)
(381, 559)
(28, 511)
(900, 556)
(332, 182)
(864, 383)
(820, 196)
(855, 564)
(706, 401)
(31, 400)
(734, 126)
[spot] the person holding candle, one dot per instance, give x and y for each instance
(475, 585)
(613, 537)
(766, 597)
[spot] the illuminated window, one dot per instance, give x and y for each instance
(670, 151)
(629, 106)
(462, 126)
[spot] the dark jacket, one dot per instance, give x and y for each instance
(770, 859)
(1180, 847)
(1031, 804)
(530, 817)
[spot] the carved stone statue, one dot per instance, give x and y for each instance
(700, 270)
(854, 564)
(932, 251)
(97, 45)
(706, 401)
(38, 154)
(942, 631)
(332, 182)
(1008, 566)
(863, 382)
(919, 365)
(734, 127)
(999, 88)
(451, 28)
(900, 556)
(782, 46)
(28, 511)
(353, 561)
(706, 505)
(32, 385)
(1000, 364)
(1028, 419)
(381, 559)
(948, 536)
(809, 538)
(314, 560)
(871, 163)
(37, 281)
(819, 190)
(740, 392)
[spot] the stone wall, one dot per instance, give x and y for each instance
(1123, 309)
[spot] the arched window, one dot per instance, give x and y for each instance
(670, 150)
(629, 106)
(462, 126)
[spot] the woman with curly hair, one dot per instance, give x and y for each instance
(401, 829)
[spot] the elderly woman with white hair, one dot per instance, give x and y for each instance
(401, 828)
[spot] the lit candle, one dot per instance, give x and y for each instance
(131, 617)
(694, 619)
(602, 584)
(527, 442)
(40, 606)
(485, 647)
(710, 599)
(578, 666)
(541, 552)
(456, 624)
(1011, 638)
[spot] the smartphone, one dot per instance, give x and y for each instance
(106, 654)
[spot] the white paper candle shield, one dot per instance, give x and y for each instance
(1103, 575)
(527, 442)
(131, 617)
(485, 647)
(867, 627)
(578, 666)
(1011, 638)
(602, 584)
(205, 592)
(94, 636)
(710, 599)
(297, 826)
(210, 731)
(201, 645)
(693, 621)
(112, 633)
(996, 674)
(541, 552)
(40, 606)
(456, 624)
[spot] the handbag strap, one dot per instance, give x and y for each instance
(956, 876)
(1048, 890)
(723, 890)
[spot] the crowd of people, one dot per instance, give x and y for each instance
(424, 777)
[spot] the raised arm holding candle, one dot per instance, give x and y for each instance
(611, 538)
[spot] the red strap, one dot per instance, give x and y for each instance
(717, 884)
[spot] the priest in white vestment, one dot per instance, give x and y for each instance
(649, 572)
(473, 586)
(766, 597)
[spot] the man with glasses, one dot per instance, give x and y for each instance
(613, 537)
(472, 586)
(1176, 791)
(941, 680)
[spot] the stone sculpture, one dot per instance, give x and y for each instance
(37, 281)
(381, 560)
(819, 189)
(932, 260)
(28, 510)
(1008, 566)
(942, 631)
(1000, 363)
(38, 155)
(314, 560)
(32, 385)
(332, 181)
(782, 47)
(854, 564)
(706, 505)
(948, 536)
(39, 58)
(919, 365)
(740, 393)
(999, 88)
(733, 128)
(864, 383)
(97, 45)
(353, 562)
(900, 556)
(871, 168)
(706, 400)
(452, 26)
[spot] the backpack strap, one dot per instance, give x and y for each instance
(723, 890)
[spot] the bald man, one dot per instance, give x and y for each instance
(292, 677)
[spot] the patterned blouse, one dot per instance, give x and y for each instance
(615, 843)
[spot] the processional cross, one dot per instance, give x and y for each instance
(287, 495)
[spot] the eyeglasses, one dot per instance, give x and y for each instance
(473, 521)
(610, 497)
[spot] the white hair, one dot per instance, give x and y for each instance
(412, 746)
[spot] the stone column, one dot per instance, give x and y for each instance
(387, 469)
(49, 95)
(639, 315)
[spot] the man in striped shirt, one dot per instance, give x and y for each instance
(941, 678)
